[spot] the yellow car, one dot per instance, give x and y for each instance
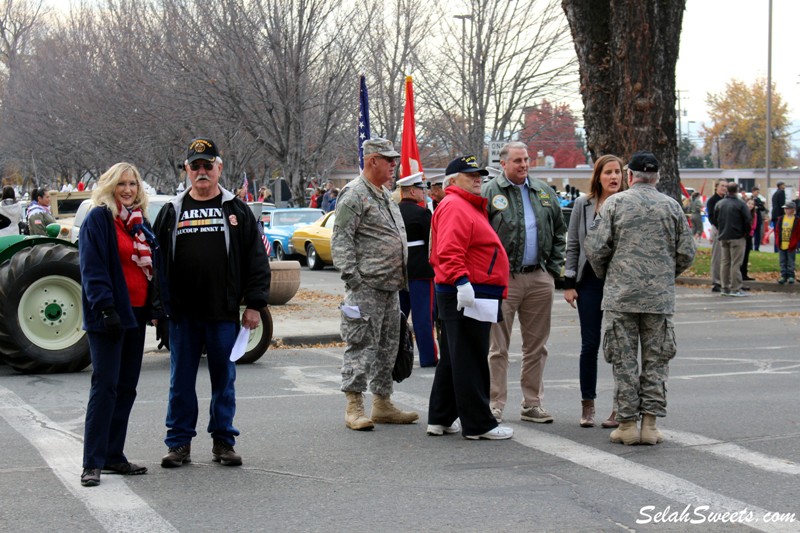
(314, 242)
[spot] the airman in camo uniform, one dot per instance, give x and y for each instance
(639, 244)
(369, 247)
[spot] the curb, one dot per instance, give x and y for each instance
(754, 285)
(299, 340)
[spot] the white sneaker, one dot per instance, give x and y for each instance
(498, 433)
(436, 430)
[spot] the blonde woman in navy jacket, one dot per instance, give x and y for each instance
(582, 286)
(118, 257)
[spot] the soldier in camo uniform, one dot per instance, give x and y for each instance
(368, 246)
(639, 244)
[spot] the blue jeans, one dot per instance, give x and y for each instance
(187, 338)
(590, 298)
(116, 364)
(786, 260)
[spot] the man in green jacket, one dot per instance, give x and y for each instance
(527, 217)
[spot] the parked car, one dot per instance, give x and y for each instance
(280, 224)
(154, 204)
(314, 242)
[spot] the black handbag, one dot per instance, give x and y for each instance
(405, 352)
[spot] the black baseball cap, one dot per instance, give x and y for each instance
(643, 162)
(202, 148)
(466, 164)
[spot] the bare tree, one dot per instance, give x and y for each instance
(627, 50)
(496, 58)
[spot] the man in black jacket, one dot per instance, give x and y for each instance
(214, 259)
(760, 211)
(734, 222)
(718, 195)
(778, 200)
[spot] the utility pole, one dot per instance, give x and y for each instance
(769, 95)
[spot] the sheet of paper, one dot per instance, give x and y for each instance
(240, 346)
(351, 311)
(484, 310)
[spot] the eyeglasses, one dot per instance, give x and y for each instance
(195, 165)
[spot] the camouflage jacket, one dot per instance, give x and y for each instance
(368, 244)
(639, 244)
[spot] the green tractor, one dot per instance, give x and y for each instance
(41, 324)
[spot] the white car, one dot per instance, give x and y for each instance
(154, 204)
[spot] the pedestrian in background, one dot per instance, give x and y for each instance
(760, 211)
(215, 261)
(778, 201)
(748, 239)
(526, 215)
(119, 265)
(696, 212)
(470, 264)
(787, 236)
(734, 223)
(10, 212)
(38, 214)
(720, 190)
(368, 246)
(640, 243)
(581, 284)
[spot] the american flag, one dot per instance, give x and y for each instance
(363, 120)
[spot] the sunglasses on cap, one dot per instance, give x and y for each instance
(195, 165)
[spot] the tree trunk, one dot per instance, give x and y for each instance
(627, 51)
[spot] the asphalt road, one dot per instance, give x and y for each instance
(731, 445)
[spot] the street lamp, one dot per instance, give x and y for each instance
(463, 19)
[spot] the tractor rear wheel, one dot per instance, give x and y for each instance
(40, 311)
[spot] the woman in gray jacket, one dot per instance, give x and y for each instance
(582, 286)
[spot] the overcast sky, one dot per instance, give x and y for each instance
(725, 39)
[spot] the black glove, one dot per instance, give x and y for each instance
(112, 322)
(162, 333)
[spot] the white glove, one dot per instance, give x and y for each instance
(465, 296)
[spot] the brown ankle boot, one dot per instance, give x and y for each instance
(612, 420)
(587, 413)
(650, 433)
(384, 412)
(354, 416)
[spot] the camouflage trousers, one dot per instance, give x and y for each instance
(645, 391)
(372, 340)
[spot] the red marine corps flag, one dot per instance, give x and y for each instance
(409, 152)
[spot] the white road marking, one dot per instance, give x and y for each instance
(116, 507)
(733, 451)
(662, 483)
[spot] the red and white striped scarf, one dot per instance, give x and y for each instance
(133, 220)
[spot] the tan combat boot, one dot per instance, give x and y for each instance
(384, 412)
(650, 434)
(587, 413)
(627, 433)
(354, 416)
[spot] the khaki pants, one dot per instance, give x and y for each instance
(731, 264)
(530, 296)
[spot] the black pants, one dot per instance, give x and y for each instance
(461, 383)
(748, 245)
